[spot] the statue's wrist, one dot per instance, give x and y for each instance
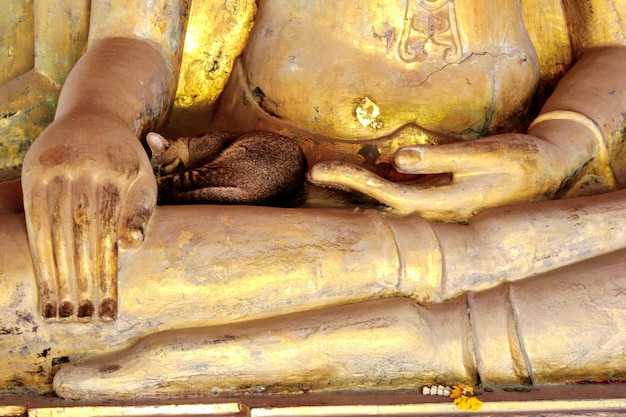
(582, 145)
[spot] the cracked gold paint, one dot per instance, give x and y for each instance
(367, 113)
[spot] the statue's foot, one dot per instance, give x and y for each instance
(388, 343)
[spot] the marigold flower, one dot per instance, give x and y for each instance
(468, 403)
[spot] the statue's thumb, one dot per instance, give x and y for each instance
(136, 212)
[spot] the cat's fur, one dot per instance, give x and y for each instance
(258, 168)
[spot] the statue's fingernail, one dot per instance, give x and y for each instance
(66, 310)
(49, 310)
(108, 310)
(85, 310)
(407, 157)
(135, 237)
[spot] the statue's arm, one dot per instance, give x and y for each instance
(87, 181)
(590, 99)
(131, 65)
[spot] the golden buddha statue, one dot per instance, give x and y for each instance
(470, 279)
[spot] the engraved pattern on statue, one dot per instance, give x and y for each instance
(430, 28)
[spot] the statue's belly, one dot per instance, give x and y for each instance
(350, 73)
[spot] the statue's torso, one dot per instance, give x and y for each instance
(362, 71)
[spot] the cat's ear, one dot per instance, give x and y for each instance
(156, 142)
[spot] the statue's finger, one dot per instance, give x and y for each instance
(350, 177)
(84, 214)
(137, 210)
(60, 204)
(107, 216)
(38, 223)
(343, 175)
(460, 157)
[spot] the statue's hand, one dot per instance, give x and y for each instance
(488, 172)
(88, 190)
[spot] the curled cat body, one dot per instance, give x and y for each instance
(256, 168)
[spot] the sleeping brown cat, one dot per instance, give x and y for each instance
(258, 168)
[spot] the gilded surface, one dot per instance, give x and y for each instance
(216, 35)
(41, 41)
(118, 298)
